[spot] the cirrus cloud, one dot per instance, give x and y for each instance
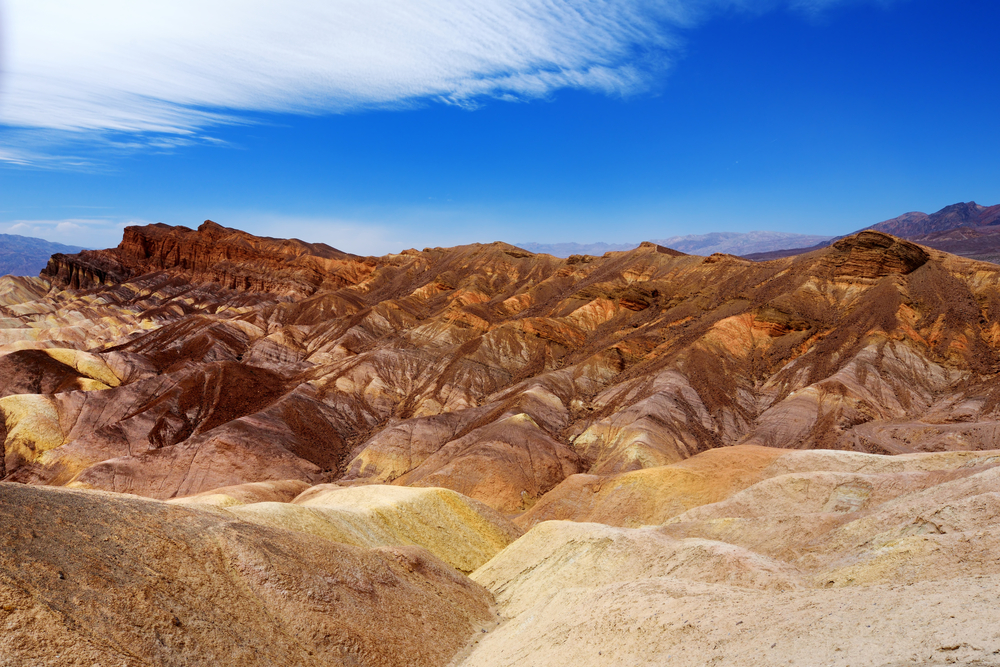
(178, 67)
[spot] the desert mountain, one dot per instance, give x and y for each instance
(183, 361)
(733, 243)
(964, 229)
(26, 255)
(711, 457)
(917, 225)
(484, 369)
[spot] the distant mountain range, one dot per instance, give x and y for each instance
(568, 249)
(917, 225)
(732, 243)
(26, 255)
(967, 229)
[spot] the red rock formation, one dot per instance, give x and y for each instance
(874, 255)
(213, 253)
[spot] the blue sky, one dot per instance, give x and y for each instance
(377, 125)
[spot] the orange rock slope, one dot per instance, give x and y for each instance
(183, 361)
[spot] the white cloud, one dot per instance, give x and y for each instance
(179, 66)
(15, 156)
(68, 227)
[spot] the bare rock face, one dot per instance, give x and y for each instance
(874, 255)
(213, 253)
(89, 578)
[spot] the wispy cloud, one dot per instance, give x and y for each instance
(181, 65)
(815, 7)
(175, 68)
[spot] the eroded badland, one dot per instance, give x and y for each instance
(221, 449)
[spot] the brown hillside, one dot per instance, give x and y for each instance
(229, 359)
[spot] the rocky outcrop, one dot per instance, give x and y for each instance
(86, 269)
(874, 255)
(212, 253)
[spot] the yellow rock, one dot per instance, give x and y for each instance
(558, 554)
(462, 532)
(32, 426)
(106, 579)
(87, 364)
(807, 558)
(244, 494)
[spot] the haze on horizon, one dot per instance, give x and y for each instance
(381, 125)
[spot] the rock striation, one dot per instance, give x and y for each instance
(212, 253)
(188, 360)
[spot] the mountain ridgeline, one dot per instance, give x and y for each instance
(964, 229)
(26, 255)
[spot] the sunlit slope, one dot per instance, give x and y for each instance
(824, 558)
(460, 531)
(93, 578)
